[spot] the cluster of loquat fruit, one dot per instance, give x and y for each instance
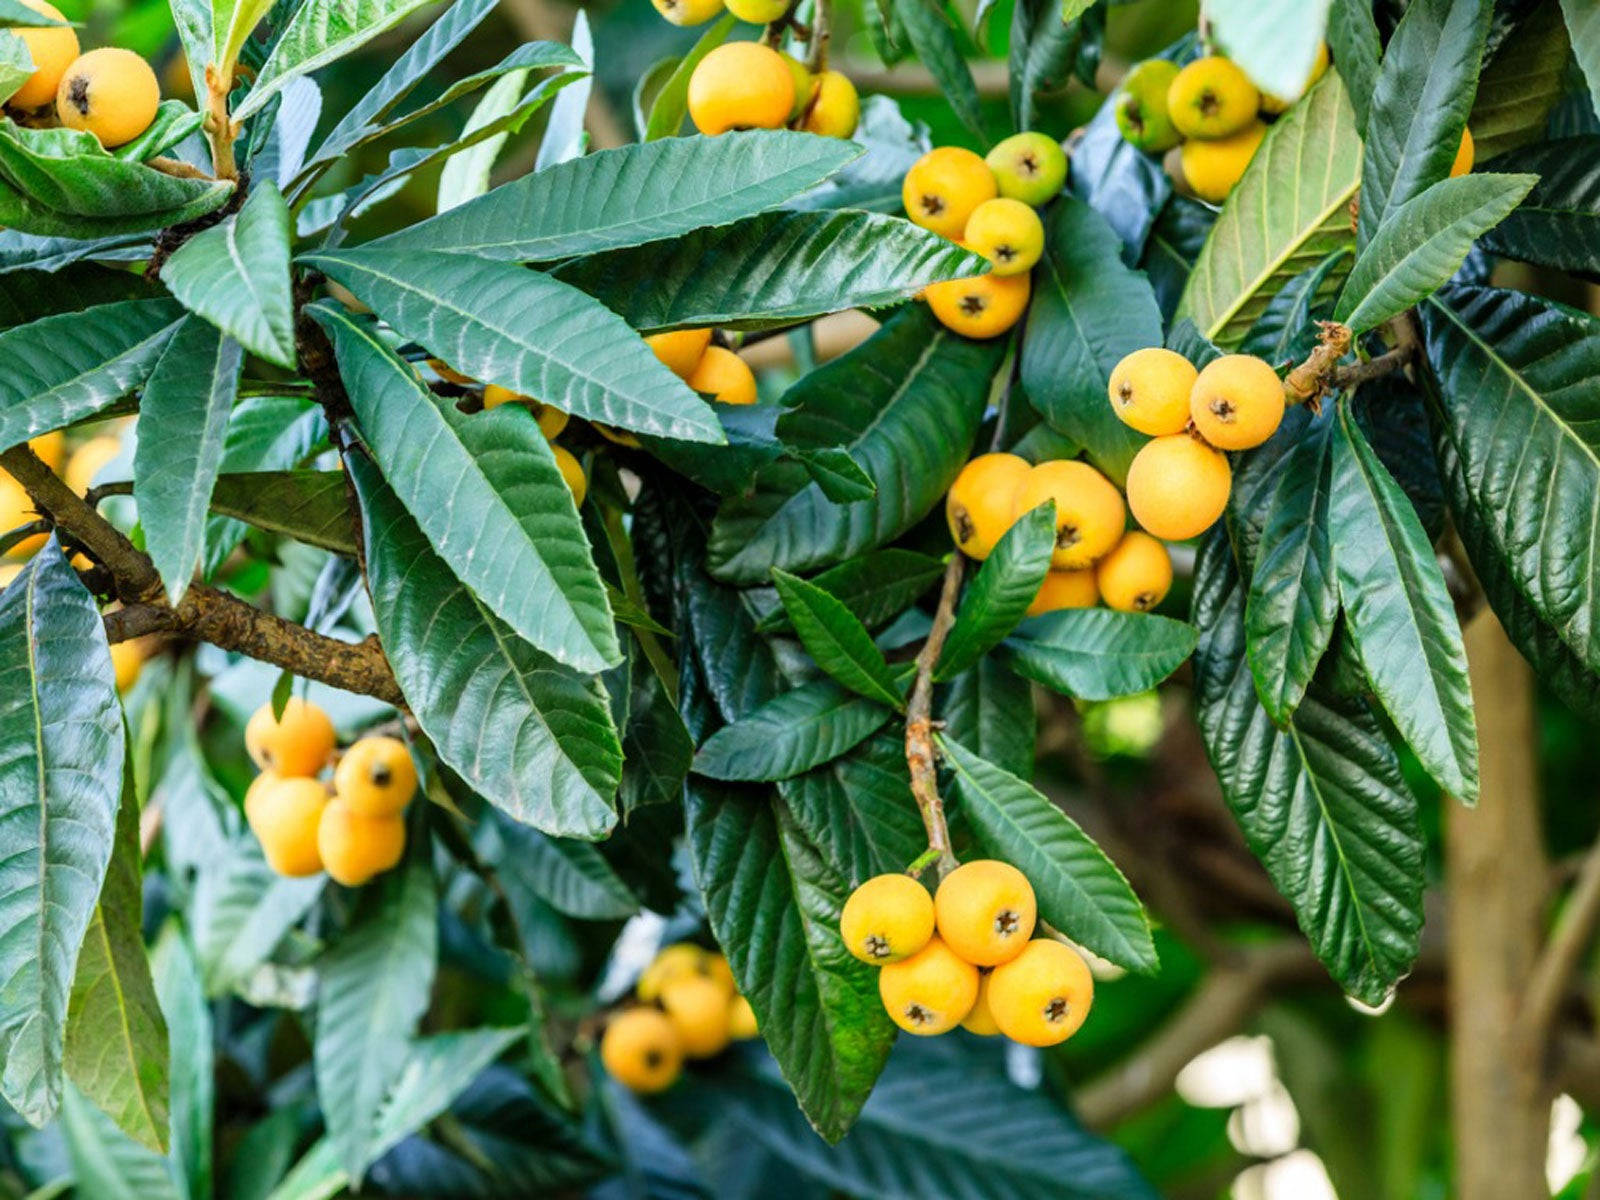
(749, 85)
(356, 834)
(987, 205)
(967, 956)
(111, 93)
(713, 371)
(1096, 556)
(688, 1007)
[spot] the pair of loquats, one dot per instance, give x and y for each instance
(1096, 556)
(688, 1007)
(967, 956)
(110, 92)
(355, 835)
(987, 205)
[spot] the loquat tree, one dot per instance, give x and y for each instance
(535, 643)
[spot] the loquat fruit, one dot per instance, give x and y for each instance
(110, 92)
(741, 85)
(1090, 515)
(1178, 486)
(931, 992)
(805, 86)
(1141, 106)
(1236, 402)
(943, 187)
(1041, 997)
(376, 777)
(980, 1020)
(300, 744)
(741, 1020)
(982, 503)
(984, 306)
(683, 958)
(1212, 98)
(758, 12)
(620, 437)
(356, 847)
(127, 660)
(1136, 575)
(688, 12)
(1150, 388)
(88, 460)
(551, 420)
(1273, 105)
(640, 1050)
(50, 447)
(1028, 166)
(1065, 589)
(887, 919)
(450, 374)
(720, 973)
(1006, 232)
(571, 471)
(17, 509)
(724, 376)
(985, 911)
(836, 110)
(680, 350)
(259, 787)
(698, 1010)
(1464, 155)
(1213, 168)
(52, 49)
(285, 817)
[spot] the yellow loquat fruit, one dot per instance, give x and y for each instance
(943, 187)
(285, 818)
(985, 911)
(836, 109)
(17, 509)
(680, 350)
(1090, 514)
(931, 992)
(741, 1020)
(1236, 402)
(1065, 589)
(640, 1050)
(1178, 486)
(741, 85)
(683, 958)
(983, 306)
(980, 1020)
(887, 919)
(1150, 388)
(724, 376)
(698, 1010)
(688, 12)
(1136, 575)
(551, 420)
(450, 374)
(1006, 232)
(127, 660)
(52, 49)
(758, 12)
(1041, 997)
(112, 93)
(50, 447)
(300, 744)
(1028, 166)
(88, 460)
(982, 503)
(356, 847)
(1212, 98)
(376, 777)
(1212, 168)
(1464, 155)
(571, 471)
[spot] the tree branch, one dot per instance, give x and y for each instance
(919, 721)
(1554, 968)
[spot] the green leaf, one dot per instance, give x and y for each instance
(264, 433)
(173, 122)
(310, 506)
(838, 475)
(1088, 311)
(564, 137)
(906, 404)
(116, 1039)
(932, 33)
(876, 587)
(1289, 212)
(774, 907)
(184, 412)
(1515, 405)
(236, 275)
(1004, 588)
(60, 784)
(1098, 653)
(372, 990)
(570, 876)
(64, 368)
(774, 269)
(1357, 48)
(1322, 802)
(240, 912)
(106, 1162)
(530, 736)
(1273, 41)
(16, 64)
(318, 32)
(232, 22)
(1080, 890)
(989, 710)
(856, 810)
(671, 105)
(1045, 43)
(1287, 329)
(1423, 243)
(836, 641)
(1522, 84)
(794, 732)
(15, 13)
(523, 330)
(632, 195)
(1583, 24)
(466, 176)
(1558, 224)
(1129, 189)
(1293, 595)
(1420, 104)
(188, 1016)
(477, 482)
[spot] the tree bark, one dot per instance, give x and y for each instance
(1497, 891)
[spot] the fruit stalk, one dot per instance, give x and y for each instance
(817, 52)
(919, 723)
(220, 129)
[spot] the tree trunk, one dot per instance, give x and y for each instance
(1497, 894)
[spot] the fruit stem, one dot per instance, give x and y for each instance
(220, 128)
(817, 55)
(919, 723)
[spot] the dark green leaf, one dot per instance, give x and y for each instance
(241, 910)
(60, 784)
(1558, 225)
(28, 295)
(477, 482)
(106, 1162)
(836, 641)
(530, 736)
(796, 731)
(188, 1017)
(1583, 23)
(1080, 890)
(989, 710)
(858, 811)
(1353, 37)
(1174, 245)
(1522, 83)
(309, 506)
(264, 433)
(571, 877)
(876, 587)
(1125, 185)
(1089, 310)
(838, 475)
(1098, 653)
(1044, 45)
(184, 414)
(932, 33)
(1420, 103)
(1287, 330)
(1004, 588)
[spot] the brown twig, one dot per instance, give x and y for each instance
(817, 52)
(919, 721)
(1554, 968)
(175, 167)
(1308, 381)
(221, 129)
